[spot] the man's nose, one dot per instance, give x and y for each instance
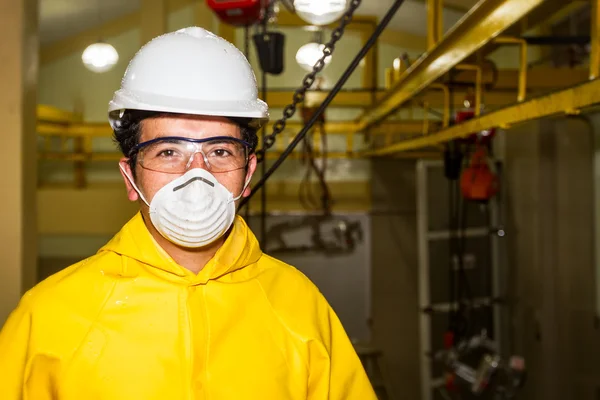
(198, 161)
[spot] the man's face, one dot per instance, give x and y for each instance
(194, 127)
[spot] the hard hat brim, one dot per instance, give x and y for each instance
(257, 111)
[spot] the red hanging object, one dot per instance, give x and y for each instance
(478, 182)
(238, 12)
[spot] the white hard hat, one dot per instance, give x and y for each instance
(190, 71)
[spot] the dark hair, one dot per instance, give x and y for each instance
(127, 131)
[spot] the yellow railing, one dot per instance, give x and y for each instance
(463, 48)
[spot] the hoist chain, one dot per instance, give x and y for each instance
(308, 80)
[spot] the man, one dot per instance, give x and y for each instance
(181, 303)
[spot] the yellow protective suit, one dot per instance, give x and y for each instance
(131, 324)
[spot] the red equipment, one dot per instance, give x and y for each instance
(238, 12)
(478, 182)
(479, 137)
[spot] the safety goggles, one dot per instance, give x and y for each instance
(173, 154)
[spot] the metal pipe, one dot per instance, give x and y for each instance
(426, 118)
(340, 83)
(522, 63)
(446, 116)
(481, 25)
(575, 98)
(434, 22)
(595, 37)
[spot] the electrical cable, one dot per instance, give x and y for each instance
(345, 76)
(306, 195)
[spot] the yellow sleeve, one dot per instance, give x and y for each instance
(336, 372)
(14, 339)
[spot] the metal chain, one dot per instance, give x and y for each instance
(308, 80)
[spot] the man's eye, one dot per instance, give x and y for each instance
(221, 152)
(167, 153)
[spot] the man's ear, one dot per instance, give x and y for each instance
(125, 169)
(252, 161)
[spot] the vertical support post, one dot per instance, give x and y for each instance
(18, 80)
(523, 72)
(423, 280)
(595, 35)
(522, 64)
(435, 22)
(370, 78)
(153, 20)
(446, 91)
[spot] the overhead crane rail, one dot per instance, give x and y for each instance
(568, 101)
(482, 26)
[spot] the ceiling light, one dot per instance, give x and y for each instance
(99, 57)
(308, 55)
(320, 12)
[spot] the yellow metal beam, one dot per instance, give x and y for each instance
(359, 22)
(550, 12)
(334, 128)
(349, 99)
(363, 99)
(595, 35)
(435, 22)
(52, 114)
(566, 101)
(482, 24)
(370, 75)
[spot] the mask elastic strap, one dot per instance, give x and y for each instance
(135, 186)
(243, 190)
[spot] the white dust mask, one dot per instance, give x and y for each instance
(193, 210)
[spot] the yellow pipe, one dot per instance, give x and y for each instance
(522, 88)
(426, 119)
(48, 113)
(478, 27)
(575, 98)
(595, 46)
(446, 115)
(331, 127)
(434, 22)
(478, 83)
